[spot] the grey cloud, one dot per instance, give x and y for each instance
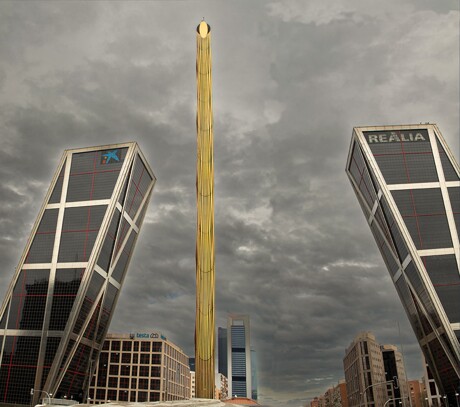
(292, 246)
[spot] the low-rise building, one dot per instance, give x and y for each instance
(314, 402)
(341, 393)
(140, 367)
(417, 393)
(221, 387)
(335, 396)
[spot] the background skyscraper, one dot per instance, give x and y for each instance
(239, 356)
(254, 380)
(59, 305)
(222, 351)
(364, 372)
(394, 371)
(222, 357)
(408, 185)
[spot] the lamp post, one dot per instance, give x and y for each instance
(386, 402)
(372, 385)
(456, 397)
(32, 391)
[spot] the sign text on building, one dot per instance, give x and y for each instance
(152, 335)
(396, 136)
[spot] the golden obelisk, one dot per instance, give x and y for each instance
(205, 279)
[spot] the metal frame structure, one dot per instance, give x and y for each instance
(408, 185)
(59, 304)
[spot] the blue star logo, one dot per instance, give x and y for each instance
(111, 155)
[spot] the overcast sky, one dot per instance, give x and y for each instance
(290, 80)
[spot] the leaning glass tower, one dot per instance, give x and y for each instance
(58, 306)
(408, 185)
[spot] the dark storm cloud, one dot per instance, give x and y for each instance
(290, 80)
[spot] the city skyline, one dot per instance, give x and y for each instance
(291, 80)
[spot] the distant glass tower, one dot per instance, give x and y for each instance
(222, 351)
(222, 341)
(394, 371)
(254, 385)
(239, 356)
(408, 184)
(59, 304)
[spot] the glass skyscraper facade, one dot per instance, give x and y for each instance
(222, 351)
(58, 306)
(239, 356)
(408, 185)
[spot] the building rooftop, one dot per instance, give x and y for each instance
(177, 403)
(241, 401)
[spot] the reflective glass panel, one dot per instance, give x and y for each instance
(91, 328)
(398, 241)
(18, 368)
(388, 257)
(444, 275)
(67, 283)
(140, 181)
(72, 384)
(449, 172)
(123, 230)
(93, 290)
(79, 231)
(56, 194)
(442, 364)
(93, 175)
(52, 345)
(454, 195)
(3, 318)
(107, 308)
(125, 254)
(403, 156)
(424, 214)
(28, 300)
(141, 216)
(41, 250)
(107, 248)
(420, 290)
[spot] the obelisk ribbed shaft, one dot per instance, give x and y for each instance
(205, 279)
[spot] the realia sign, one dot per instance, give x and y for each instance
(374, 137)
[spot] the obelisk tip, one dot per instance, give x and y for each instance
(203, 29)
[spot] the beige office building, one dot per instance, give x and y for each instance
(140, 367)
(364, 372)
